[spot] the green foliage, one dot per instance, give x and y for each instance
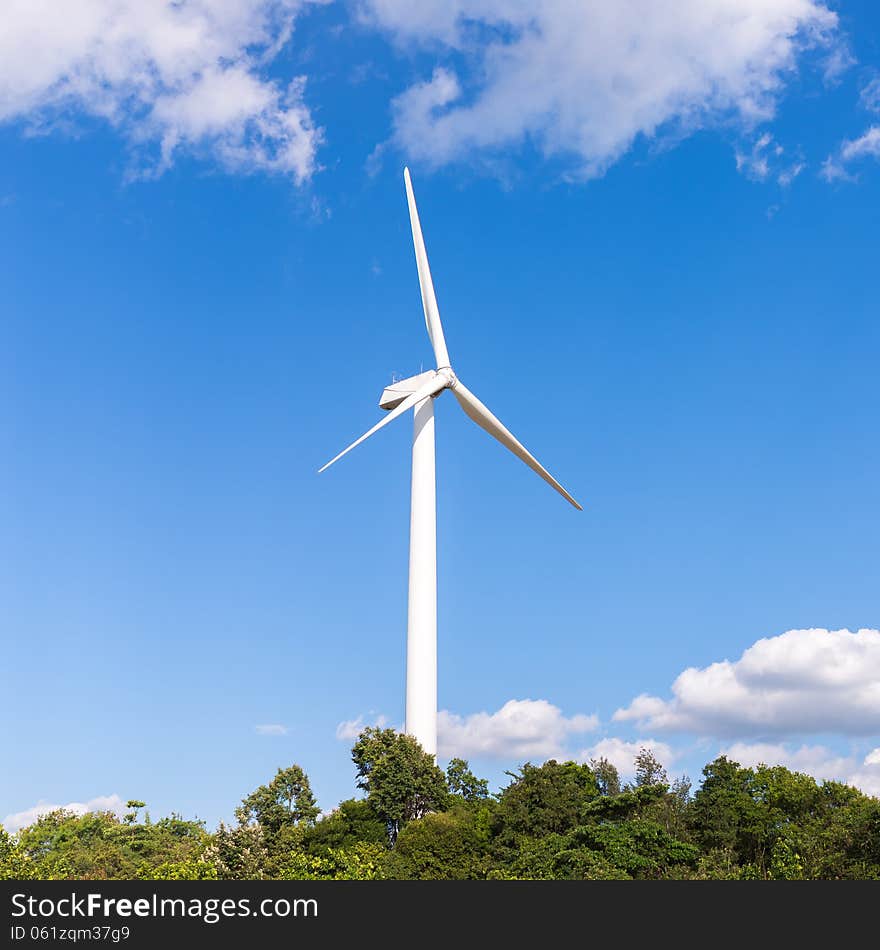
(180, 871)
(607, 776)
(648, 770)
(553, 821)
(352, 822)
(556, 857)
(15, 864)
(543, 800)
(98, 845)
(364, 861)
(440, 847)
(462, 782)
(401, 780)
(643, 849)
(239, 854)
(286, 803)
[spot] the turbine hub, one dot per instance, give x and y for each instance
(450, 377)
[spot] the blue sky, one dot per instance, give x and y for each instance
(654, 241)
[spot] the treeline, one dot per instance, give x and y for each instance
(559, 820)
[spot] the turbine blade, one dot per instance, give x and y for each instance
(485, 420)
(429, 300)
(430, 388)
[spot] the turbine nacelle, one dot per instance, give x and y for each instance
(393, 395)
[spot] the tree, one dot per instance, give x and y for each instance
(607, 776)
(239, 854)
(98, 845)
(462, 782)
(545, 799)
(14, 862)
(359, 862)
(180, 871)
(353, 822)
(648, 770)
(443, 846)
(643, 849)
(285, 803)
(555, 857)
(135, 805)
(401, 780)
(726, 814)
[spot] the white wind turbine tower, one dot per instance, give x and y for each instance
(418, 393)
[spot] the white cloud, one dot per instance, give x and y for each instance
(788, 175)
(818, 761)
(271, 729)
(756, 162)
(622, 753)
(832, 170)
(350, 729)
(815, 760)
(870, 95)
(27, 817)
(520, 729)
(867, 777)
(585, 80)
(803, 681)
(867, 145)
(765, 159)
(851, 150)
(172, 76)
(837, 62)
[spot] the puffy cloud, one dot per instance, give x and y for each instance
(27, 817)
(521, 729)
(170, 74)
(815, 760)
(867, 776)
(622, 754)
(803, 681)
(585, 80)
(818, 761)
(271, 729)
(350, 729)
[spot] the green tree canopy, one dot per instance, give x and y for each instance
(354, 821)
(401, 780)
(462, 782)
(286, 801)
(544, 799)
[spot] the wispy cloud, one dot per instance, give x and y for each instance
(350, 729)
(271, 729)
(867, 145)
(870, 95)
(766, 159)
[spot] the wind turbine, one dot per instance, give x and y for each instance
(418, 393)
